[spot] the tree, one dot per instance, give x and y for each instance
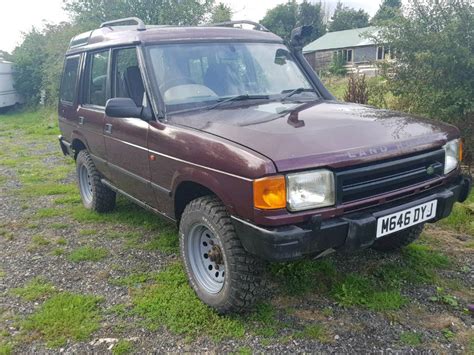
(388, 10)
(346, 18)
(5, 55)
(284, 17)
(221, 13)
(158, 12)
(434, 69)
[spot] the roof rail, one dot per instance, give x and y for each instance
(140, 24)
(257, 26)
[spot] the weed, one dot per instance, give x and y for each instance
(2, 274)
(171, 302)
(37, 288)
(263, 320)
(65, 316)
(448, 334)
(411, 338)
(61, 241)
(122, 347)
(58, 252)
(442, 297)
(88, 253)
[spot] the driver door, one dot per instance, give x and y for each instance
(126, 138)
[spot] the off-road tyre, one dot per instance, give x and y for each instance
(243, 272)
(101, 198)
(398, 240)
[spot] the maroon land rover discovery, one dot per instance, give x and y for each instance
(230, 133)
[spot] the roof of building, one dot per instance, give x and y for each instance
(118, 35)
(342, 39)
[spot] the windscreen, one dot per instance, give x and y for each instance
(196, 74)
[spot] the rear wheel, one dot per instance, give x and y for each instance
(95, 195)
(221, 272)
(398, 240)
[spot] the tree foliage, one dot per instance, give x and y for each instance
(388, 10)
(284, 17)
(434, 68)
(5, 55)
(157, 12)
(346, 18)
(221, 13)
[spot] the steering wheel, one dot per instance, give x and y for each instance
(182, 80)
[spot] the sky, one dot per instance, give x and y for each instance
(20, 16)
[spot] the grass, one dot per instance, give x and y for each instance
(170, 302)
(133, 279)
(315, 332)
(462, 217)
(64, 316)
(88, 253)
(36, 289)
(122, 347)
(411, 338)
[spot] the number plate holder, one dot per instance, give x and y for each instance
(398, 221)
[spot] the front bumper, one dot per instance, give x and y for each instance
(349, 232)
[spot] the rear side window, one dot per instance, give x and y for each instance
(69, 80)
(96, 83)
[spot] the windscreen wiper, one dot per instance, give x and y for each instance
(238, 98)
(295, 91)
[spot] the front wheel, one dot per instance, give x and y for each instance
(221, 272)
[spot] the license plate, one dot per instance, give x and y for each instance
(401, 220)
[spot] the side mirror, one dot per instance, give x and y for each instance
(122, 107)
(298, 36)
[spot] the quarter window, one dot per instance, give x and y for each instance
(69, 80)
(96, 88)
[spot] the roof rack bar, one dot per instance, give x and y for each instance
(140, 24)
(257, 26)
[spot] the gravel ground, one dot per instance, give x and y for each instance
(352, 330)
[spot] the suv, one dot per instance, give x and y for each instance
(230, 133)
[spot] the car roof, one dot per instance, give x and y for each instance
(109, 36)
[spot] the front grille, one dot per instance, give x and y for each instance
(366, 181)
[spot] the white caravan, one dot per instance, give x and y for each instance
(8, 95)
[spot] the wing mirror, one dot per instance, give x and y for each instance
(122, 107)
(298, 35)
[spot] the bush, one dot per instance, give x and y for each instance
(338, 63)
(357, 90)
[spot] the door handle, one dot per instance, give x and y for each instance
(81, 120)
(108, 128)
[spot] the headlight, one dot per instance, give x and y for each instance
(310, 190)
(452, 152)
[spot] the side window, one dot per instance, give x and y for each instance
(69, 79)
(127, 80)
(96, 88)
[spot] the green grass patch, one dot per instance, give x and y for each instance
(411, 338)
(36, 289)
(86, 232)
(357, 290)
(59, 225)
(2, 274)
(122, 347)
(5, 348)
(172, 303)
(133, 279)
(167, 242)
(88, 253)
(68, 200)
(65, 316)
(48, 212)
(315, 332)
(58, 252)
(302, 276)
(262, 321)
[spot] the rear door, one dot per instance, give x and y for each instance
(126, 138)
(68, 117)
(91, 111)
